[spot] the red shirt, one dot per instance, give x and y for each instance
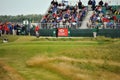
(37, 28)
(54, 15)
(6, 28)
(105, 19)
(0, 27)
(114, 18)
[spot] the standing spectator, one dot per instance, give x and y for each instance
(93, 4)
(56, 32)
(55, 3)
(80, 4)
(95, 29)
(6, 29)
(0, 29)
(101, 3)
(90, 5)
(37, 31)
(14, 29)
(10, 27)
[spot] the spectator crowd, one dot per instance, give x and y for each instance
(10, 28)
(106, 16)
(63, 14)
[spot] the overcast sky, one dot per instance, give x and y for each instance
(18, 7)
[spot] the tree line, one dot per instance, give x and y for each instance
(21, 18)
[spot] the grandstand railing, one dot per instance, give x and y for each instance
(59, 25)
(76, 25)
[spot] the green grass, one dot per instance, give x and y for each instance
(62, 58)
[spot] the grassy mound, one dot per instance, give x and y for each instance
(63, 58)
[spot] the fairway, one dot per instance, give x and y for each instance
(46, 58)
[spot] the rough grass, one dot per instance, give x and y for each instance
(73, 69)
(61, 58)
(8, 73)
(9, 37)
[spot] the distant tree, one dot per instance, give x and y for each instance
(20, 18)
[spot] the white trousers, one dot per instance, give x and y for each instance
(94, 34)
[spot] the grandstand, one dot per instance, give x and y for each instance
(66, 15)
(79, 19)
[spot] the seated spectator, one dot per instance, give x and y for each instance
(59, 18)
(114, 18)
(52, 2)
(62, 6)
(54, 9)
(84, 10)
(105, 20)
(54, 15)
(66, 15)
(106, 5)
(65, 2)
(93, 17)
(110, 24)
(98, 9)
(101, 3)
(55, 3)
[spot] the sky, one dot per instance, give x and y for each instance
(25, 7)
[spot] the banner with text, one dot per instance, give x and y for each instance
(63, 32)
